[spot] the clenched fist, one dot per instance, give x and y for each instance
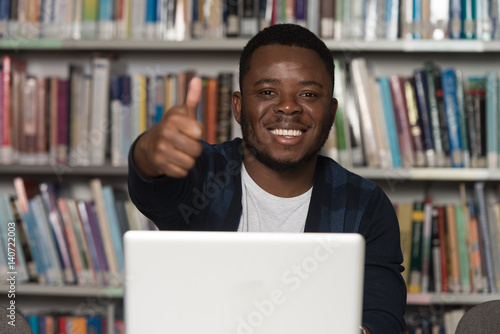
(172, 145)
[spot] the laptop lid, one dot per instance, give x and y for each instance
(243, 283)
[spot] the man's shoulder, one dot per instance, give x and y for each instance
(336, 174)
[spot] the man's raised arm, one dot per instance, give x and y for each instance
(172, 145)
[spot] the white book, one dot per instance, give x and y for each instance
(406, 19)
(357, 19)
(371, 20)
(353, 120)
(313, 16)
(483, 21)
(76, 29)
(99, 111)
(137, 18)
(392, 19)
(360, 78)
(116, 132)
(114, 277)
(439, 19)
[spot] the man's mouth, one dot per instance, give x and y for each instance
(287, 133)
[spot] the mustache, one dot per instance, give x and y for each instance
(286, 119)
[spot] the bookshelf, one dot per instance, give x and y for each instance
(51, 57)
(384, 57)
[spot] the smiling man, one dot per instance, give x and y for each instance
(273, 179)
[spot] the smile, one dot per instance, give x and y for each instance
(287, 132)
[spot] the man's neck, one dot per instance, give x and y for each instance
(281, 184)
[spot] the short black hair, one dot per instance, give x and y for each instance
(288, 35)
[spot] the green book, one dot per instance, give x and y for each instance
(463, 254)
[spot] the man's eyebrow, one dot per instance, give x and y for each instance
(274, 81)
(310, 82)
(266, 81)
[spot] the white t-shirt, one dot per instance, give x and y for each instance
(263, 212)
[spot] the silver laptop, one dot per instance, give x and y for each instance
(243, 283)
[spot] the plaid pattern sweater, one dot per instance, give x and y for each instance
(209, 199)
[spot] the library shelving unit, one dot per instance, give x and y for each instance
(52, 56)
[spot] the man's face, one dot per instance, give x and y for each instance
(285, 107)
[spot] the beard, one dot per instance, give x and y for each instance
(283, 165)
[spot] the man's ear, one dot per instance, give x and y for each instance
(236, 102)
(333, 109)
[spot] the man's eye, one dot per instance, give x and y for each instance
(266, 92)
(309, 94)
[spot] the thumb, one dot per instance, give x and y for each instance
(193, 97)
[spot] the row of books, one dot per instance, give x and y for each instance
(440, 321)
(432, 118)
(60, 240)
(94, 115)
(71, 324)
(216, 19)
(451, 247)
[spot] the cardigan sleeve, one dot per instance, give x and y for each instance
(384, 300)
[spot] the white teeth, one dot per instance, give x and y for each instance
(286, 132)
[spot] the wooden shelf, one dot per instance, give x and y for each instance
(430, 174)
(237, 44)
(63, 170)
(65, 290)
(449, 298)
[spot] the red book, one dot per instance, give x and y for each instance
(211, 107)
(402, 123)
(61, 325)
(63, 121)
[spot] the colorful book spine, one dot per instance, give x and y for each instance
(443, 240)
(390, 122)
(415, 123)
(492, 119)
(415, 283)
(426, 245)
(449, 85)
(402, 123)
(434, 114)
(462, 118)
(463, 257)
(485, 235)
(425, 117)
(478, 280)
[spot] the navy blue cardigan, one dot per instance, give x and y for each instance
(209, 199)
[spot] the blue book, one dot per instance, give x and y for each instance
(417, 19)
(105, 19)
(4, 17)
(449, 85)
(33, 322)
(94, 324)
(390, 121)
(114, 225)
(40, 252)
(455, 19)
(159, 98)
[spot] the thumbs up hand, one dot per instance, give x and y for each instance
(171, 146)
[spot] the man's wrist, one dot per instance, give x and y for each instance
(364, 330)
